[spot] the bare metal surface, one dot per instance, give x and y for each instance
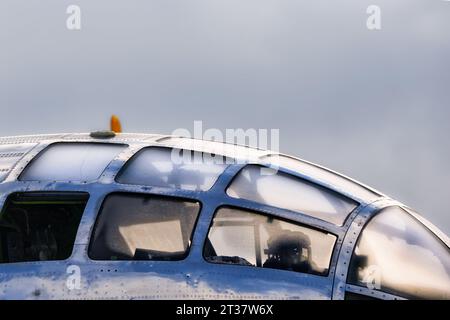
(192, 278)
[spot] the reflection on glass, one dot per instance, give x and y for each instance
(240, 152)
(323, 175)
(71, 162)
(143, 227)
(245, 238)
(288, 192)
(397, 254)
(173, 168)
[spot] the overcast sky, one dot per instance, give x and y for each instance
(371, 104)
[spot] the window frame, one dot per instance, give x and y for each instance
(324, 182)
(379, 293)
(88, 195)
(129, 161)
(302, 179)
(99, 213)
(333, 256)
(25, 150)
(50, 145)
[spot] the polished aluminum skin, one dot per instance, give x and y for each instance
(193, 277)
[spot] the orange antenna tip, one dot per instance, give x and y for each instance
(115, 124)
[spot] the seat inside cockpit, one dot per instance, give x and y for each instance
(247, 238)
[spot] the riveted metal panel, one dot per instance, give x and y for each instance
(355, 227)
(192, 278)
(10, 155)
(372, 293)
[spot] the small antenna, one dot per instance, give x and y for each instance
(115, 124)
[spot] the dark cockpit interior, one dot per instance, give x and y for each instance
(40, 226)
